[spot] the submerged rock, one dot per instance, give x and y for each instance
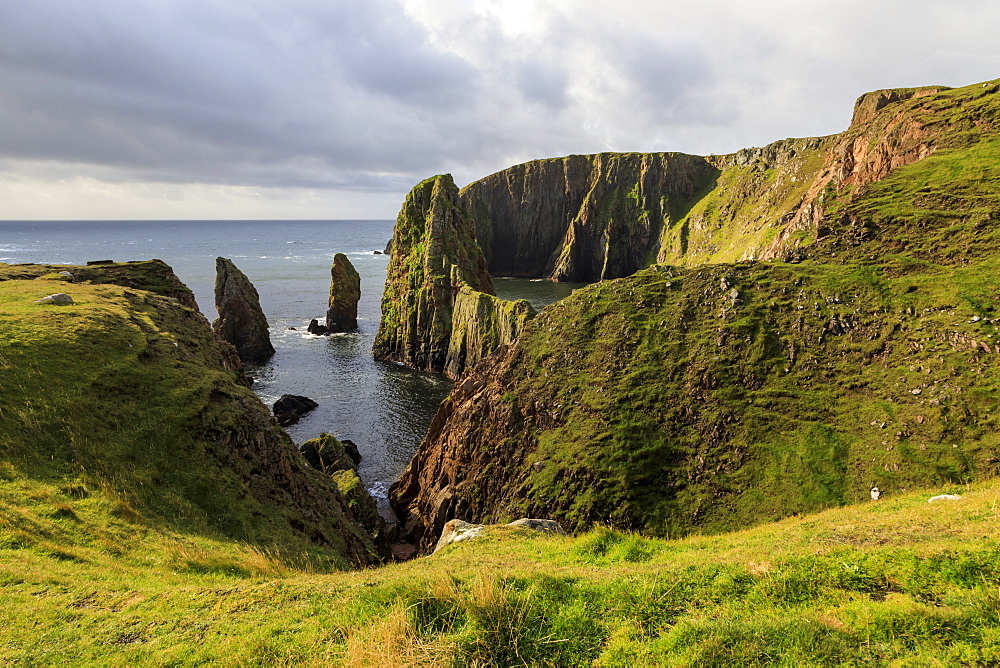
(241, 321)
(290, 407)
(345, 292)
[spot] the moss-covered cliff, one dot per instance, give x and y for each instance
(128, 394)
(439, 312)
(584, 217)
(715, 397)
(591, 217)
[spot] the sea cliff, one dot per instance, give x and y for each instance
(708, 398)
(127, 394)
(439, 311)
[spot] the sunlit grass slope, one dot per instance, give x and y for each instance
(125, 402)
(899, 580)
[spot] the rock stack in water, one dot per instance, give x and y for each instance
(241, 321)
(439, 312)
(345, 292)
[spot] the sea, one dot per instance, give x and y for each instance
(383, 408)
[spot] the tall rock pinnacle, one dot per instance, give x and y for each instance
(345, 291)
(241, 321)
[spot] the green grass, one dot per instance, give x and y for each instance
(662, 403)
(897, 581)
(126, 396)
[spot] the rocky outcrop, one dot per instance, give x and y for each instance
(241, 320)
(290, 407)
(439, 312)
(155, 414)
(345, 291)
(480, 324)
(339, 460)
(327, 454)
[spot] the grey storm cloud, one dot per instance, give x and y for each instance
(373, 96)
(216, 90)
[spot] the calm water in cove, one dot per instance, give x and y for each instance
(383, 408)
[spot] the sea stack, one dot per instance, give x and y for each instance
(439, 312)
(241, 321)
(345, 291)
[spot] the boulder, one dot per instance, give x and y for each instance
(315, 328)
(58, 298)
(345, 291)
(352, 451)
(456, 531)
(241, 321)
(290, 407)
(327, 454)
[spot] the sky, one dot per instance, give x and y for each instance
(325, 109)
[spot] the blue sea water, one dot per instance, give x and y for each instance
(383, 408)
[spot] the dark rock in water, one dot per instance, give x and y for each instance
(292, 329)
(327, 454)
(93, 262)
(290, 407)
(352, 451)
(378, 252)
(345, 291)
(316, 328)
(241, 321)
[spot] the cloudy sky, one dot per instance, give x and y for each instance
(163, 109)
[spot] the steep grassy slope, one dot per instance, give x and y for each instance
(720, 397)
(125, 399)
(900, 581)
(716, 397)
